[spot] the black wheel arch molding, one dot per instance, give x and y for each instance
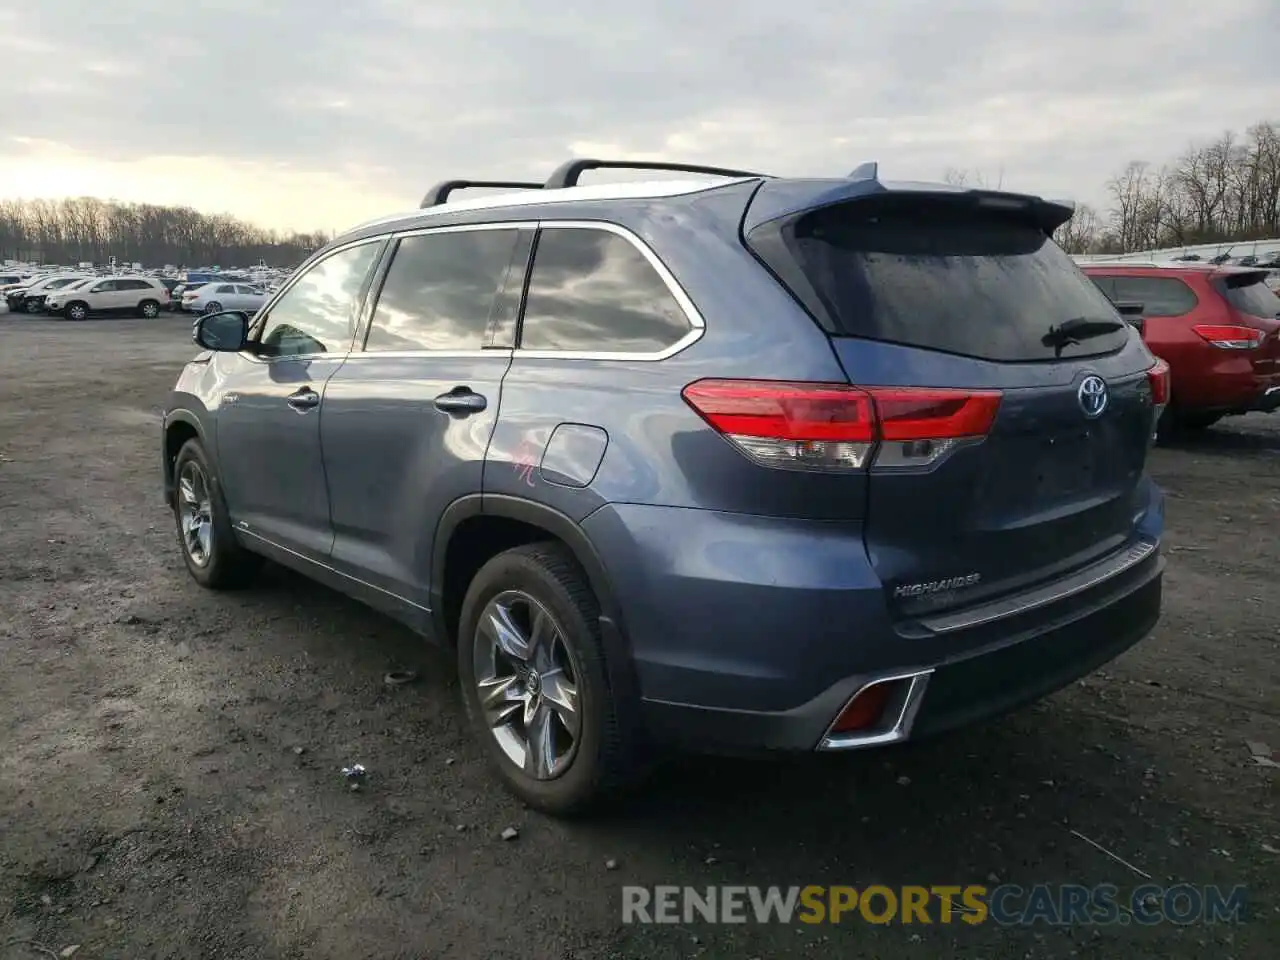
(621, 665)
(188, 418)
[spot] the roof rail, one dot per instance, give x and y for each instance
(567, 174)
(440, 192)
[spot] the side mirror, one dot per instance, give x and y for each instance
(226, 332)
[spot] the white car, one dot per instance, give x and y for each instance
(30, 299)
(216, 296)
(135, 296)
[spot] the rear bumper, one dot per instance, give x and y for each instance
(1268, 401)
(749, 633)
(945, 695)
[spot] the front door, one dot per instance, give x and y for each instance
(407, 419)
(268, 426)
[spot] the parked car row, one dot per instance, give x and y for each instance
(77, 296)
(1217, 327)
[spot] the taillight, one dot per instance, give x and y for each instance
(832, 426)
(1230, 336)
(1158, 378)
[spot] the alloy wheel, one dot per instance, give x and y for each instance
(527, 682)
(195, 513)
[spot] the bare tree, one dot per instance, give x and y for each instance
(973, 178)
(1080, 234)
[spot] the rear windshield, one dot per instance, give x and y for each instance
(1252, 296)
(946, 277)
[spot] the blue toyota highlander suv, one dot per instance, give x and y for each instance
(731, 461)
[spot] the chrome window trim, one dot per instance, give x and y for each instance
(465, 227)
(697, 326)
(503, 353)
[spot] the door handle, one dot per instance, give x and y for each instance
(461, 400)
(304, 399)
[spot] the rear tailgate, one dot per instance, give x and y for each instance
(964, 290)
(1253, 304)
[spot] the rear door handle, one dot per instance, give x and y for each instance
(304, 399)
(461, 400)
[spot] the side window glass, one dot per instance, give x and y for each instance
(1106, 285)
(104, 287)
(440, 291)
(1162, 296)
(317, 314)
(592, 290)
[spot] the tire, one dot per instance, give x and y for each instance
(213, 306)
(76, 311)
(220, 563)
(149, 309)
(600, 759)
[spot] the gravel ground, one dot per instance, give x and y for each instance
(170, 787)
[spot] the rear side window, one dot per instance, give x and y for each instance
(943, 277)
(440, 291)
(1253, 297)
(593, 291)
(1159, 296)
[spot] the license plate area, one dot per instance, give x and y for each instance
(1065, 464)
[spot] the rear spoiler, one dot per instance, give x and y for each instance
(1240, 277)
(788, 200)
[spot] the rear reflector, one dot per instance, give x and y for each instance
(1230, 336)
(1158, 378)
(832, 426)
(864, 710)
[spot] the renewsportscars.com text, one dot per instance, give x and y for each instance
(1006, 905)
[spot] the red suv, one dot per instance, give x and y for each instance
(1218, 328)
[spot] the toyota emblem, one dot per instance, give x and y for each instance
(1093, 396)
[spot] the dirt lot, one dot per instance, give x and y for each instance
(170, 786)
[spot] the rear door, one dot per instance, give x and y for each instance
(407, 419)
(1038, 464)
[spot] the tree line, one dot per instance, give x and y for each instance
(1219, 191)
(85, 229)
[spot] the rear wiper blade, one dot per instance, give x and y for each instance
(1080, 328)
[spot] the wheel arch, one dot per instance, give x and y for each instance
(542, 522)
(180, 426)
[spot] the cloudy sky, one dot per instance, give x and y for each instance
(318, 114)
